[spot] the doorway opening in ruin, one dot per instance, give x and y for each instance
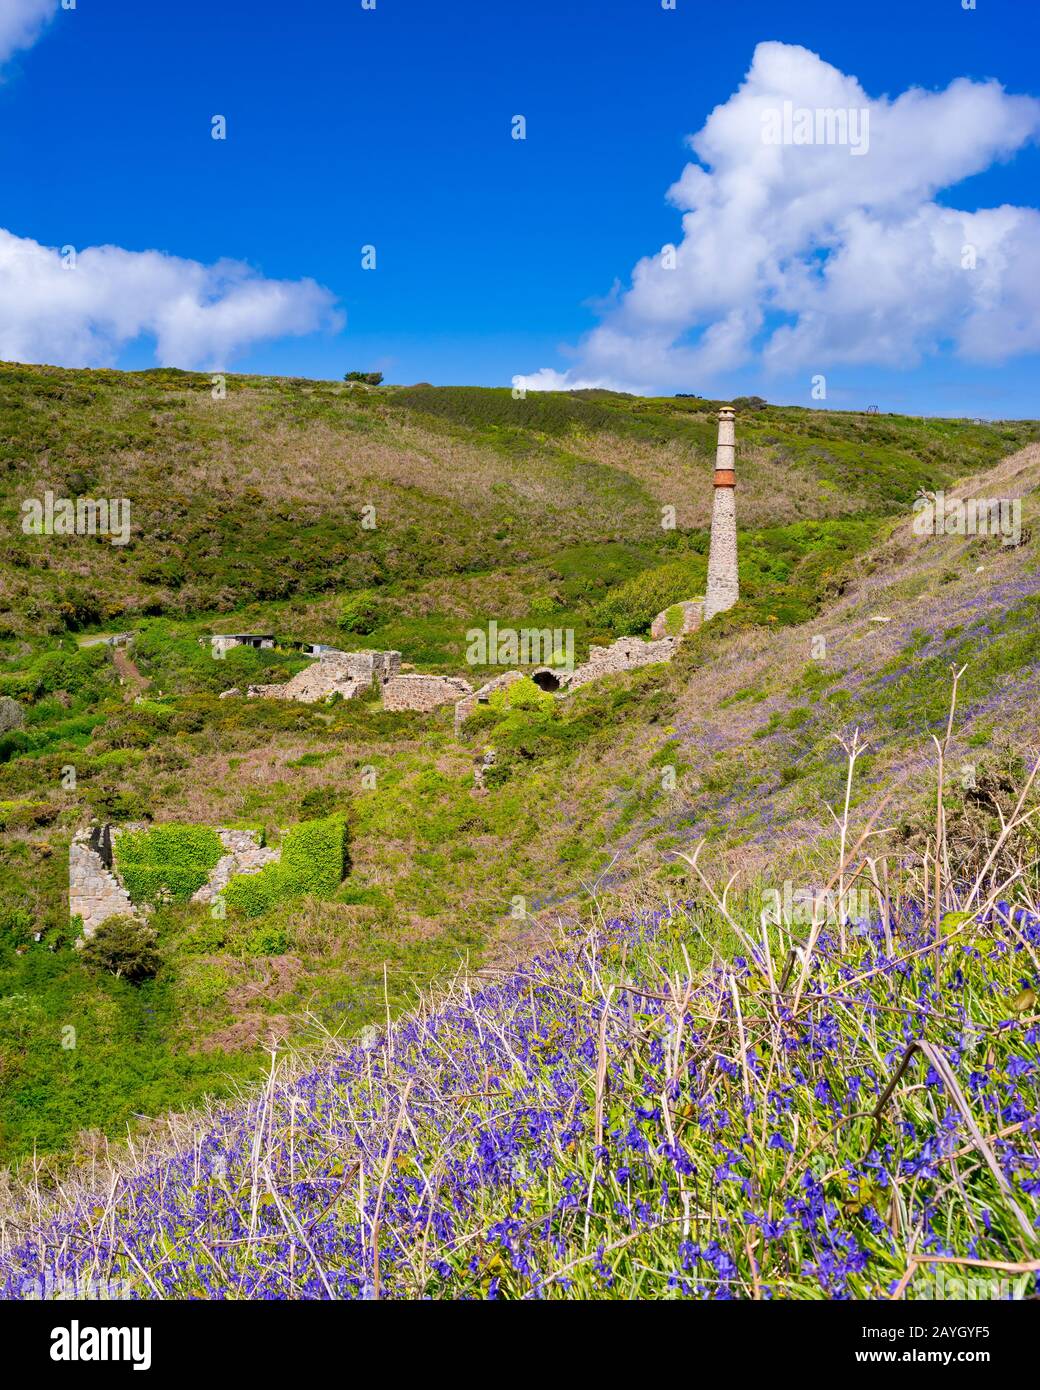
(545, 680)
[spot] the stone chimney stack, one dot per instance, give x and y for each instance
(723, 586)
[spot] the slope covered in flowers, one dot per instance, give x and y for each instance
(607, 1121)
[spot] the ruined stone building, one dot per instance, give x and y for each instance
(424, 693)
(96, 892)
(334, 673)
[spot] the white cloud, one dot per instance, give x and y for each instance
(21, 22)
(199, 315)
(813, 254)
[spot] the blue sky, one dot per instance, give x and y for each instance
(391, 127)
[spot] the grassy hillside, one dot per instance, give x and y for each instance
(546, 512)
(258, 496)
(607, 1121)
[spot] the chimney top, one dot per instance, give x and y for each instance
(726, 410)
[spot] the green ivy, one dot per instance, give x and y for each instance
(171, 861)
(314, 860)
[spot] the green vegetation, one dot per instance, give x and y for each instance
(168, 861)
(123, 946)
(313, 860)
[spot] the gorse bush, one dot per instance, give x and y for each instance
(631, 607)
(123, 946)
(523, 694)
(166, 861)
(313, 860)
(361, 612)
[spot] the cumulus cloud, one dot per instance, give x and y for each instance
(21, 22)
(802, 250)
(80, 310)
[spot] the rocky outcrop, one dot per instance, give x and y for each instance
(12, 716)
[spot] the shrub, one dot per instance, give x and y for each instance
(367, 378)
(16, 926)
(314, 854)
(360, 612)
(167, 861)
(522, 694)
(255, 894)
(203, 984)
(267, 940)
(11, 744)
(632, 606)
(206, 938)
(123, 946)
(321, 801)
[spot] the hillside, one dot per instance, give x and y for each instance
(838, 1112)
(247, 516)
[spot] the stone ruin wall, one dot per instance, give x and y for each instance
(424, 693)
(333, 673)
(465, 707)
(245, 855)
(626, 654)
(691, 616)
(95, 893)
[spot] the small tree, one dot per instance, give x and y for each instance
(366, 378)
(123, 946)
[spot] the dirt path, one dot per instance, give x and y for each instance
(129, 675)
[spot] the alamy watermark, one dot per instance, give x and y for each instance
(525, 646)
(963, 1284)
(803, 906)
(939, 515)
(79, 516)
(48, 1287)
(821, 125)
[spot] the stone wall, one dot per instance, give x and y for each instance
(465, 707)
(245, 855)
(369, 667)
(334, 673)
(318, 682)
(95, 893)
(626, 654)
(423, 693)
(683, 617)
